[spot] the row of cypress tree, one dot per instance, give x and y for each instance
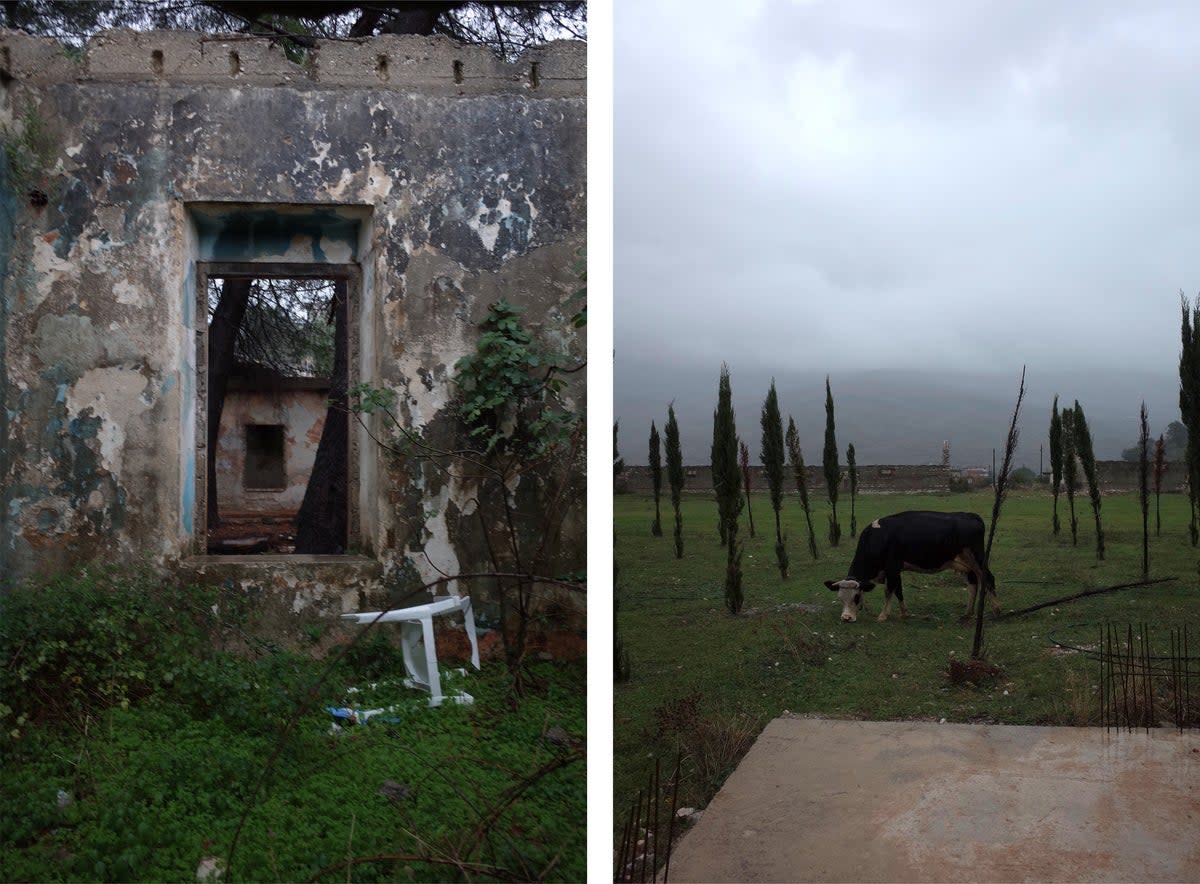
(1070, 449)
(730, 460)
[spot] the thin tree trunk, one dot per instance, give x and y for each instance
(321, 524)
(222, 336)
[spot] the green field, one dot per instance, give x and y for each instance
(705, 683)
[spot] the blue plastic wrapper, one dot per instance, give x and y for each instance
(345, 716)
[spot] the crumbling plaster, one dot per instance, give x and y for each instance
(460, 179)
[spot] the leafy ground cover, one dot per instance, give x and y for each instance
(705, 683)
(133, 746)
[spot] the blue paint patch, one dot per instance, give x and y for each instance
(251, 234)
(8, 217)
(47, 521)
(60, 393)
(189, 495)
(167, 385)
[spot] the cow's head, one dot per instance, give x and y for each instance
(850, 591)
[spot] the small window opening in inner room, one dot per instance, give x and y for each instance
(264, 458)
(277, 423)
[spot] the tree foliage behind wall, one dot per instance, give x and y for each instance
(506, 28)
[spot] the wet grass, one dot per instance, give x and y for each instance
(702, 678)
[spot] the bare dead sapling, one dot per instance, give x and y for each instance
(1001, 491)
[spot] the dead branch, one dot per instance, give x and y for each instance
(1084, 594)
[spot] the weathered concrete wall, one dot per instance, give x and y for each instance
(301, 413)
(450, 179)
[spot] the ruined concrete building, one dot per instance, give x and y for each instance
(422, 178)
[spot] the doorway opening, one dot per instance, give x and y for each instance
(274, 452)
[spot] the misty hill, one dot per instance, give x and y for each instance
(897, 417)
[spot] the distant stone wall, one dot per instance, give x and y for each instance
(872, 479)
(1114, 476)
(1121, 475)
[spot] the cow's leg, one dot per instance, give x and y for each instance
(990, 583)
(972, 586)
(887, 603)
(894, 588)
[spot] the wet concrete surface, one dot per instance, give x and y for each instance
(822, 800)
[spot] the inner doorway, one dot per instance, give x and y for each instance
(274, 451)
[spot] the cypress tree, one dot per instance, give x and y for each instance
(729, 492)
(1083, 445)
(744, 463)
(1070, 467)
(1160, 469)
(797, 459)
(771, 455)
(618, 461)
(853, 471)
(717, 479)
(1189, 402)
(675, 477)
(1144, 486)
(833, 472)
(656, 479)
(621, 665)
(1056, 457)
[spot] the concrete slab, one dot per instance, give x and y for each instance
(820, 800)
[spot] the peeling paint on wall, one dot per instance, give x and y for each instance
(447, 196)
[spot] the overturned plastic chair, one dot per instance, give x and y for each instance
(418, 645)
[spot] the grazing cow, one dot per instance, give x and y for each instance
(914, 541)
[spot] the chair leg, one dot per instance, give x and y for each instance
(469, 621)
(435, 680)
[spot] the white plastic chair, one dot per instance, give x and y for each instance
(416, 630)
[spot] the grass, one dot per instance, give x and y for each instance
(131, 751)
(704, 683)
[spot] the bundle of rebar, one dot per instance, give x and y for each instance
(638, 856)
(1139, 689)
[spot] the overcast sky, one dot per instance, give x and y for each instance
(951, 189)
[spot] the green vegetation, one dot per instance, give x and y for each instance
(509, 376)
(29, 147)
(710, 689)
(133, 742)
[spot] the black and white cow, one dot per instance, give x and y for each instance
(914, 541)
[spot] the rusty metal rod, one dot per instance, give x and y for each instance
(657, 811)
(671, 824)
